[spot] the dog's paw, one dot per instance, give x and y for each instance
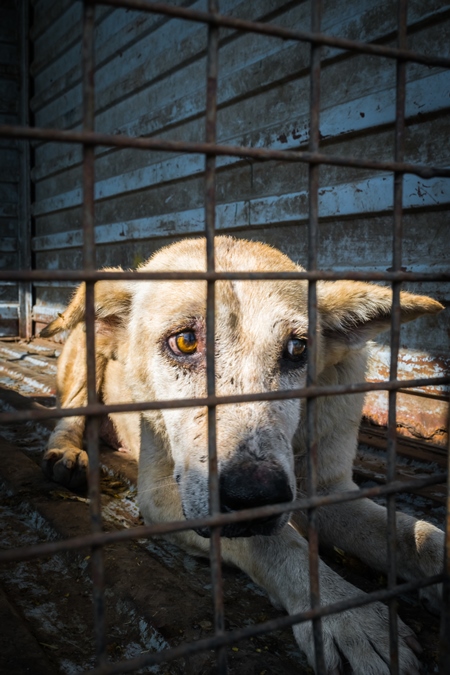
(361, 635)
(67, 466)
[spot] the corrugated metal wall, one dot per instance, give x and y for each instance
(15, 223)
(150, 80)
(9, 164)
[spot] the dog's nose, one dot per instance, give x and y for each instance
(247, 485)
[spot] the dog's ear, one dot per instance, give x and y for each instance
(353, 312)
(112, 304)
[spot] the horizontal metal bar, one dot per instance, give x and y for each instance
(234, 636)
(134, 275)
(259, 154)
(158, 529)
(217, 19)
(99, 409)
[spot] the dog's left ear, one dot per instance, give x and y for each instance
(353, 312)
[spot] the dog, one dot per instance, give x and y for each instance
(151, 345)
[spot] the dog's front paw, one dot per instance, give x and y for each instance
(361, 635)
(67, 466)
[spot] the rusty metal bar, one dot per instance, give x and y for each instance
(391, 464)
(157, 529)
(210, 219)
(311, 378)
(279, 395)
(99, 275)
(217, 19)
(444, 633)
(92, 423)
(259, 154)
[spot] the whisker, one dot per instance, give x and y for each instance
(159, 485)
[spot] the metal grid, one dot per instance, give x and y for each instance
(314, 158)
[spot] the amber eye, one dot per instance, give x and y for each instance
(184, 343)
(295, 349)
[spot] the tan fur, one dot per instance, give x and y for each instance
(261, 445)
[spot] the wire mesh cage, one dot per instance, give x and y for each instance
(90, 138)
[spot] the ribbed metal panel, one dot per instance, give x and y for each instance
(150, 82)
(9, 164)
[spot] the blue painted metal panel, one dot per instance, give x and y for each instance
(9, 163)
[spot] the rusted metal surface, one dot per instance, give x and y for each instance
(417, 416)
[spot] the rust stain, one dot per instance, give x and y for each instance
(417, 416)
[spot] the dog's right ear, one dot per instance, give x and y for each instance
(112, 304)
(354, 312)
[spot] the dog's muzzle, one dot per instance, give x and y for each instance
(249, 485)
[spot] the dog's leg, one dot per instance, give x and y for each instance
(360, 528)
(279, 564)
(65, 461)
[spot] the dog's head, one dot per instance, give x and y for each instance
(261, 345)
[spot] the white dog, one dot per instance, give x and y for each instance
(151, 346)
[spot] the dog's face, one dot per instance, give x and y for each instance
(260, 345)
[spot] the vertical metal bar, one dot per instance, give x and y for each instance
(89, 264)
(395, 333)
(444, 636)
(311, 404)
(24, 233)
(210, 216)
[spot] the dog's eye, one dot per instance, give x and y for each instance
(184, 343)
(295, 349)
